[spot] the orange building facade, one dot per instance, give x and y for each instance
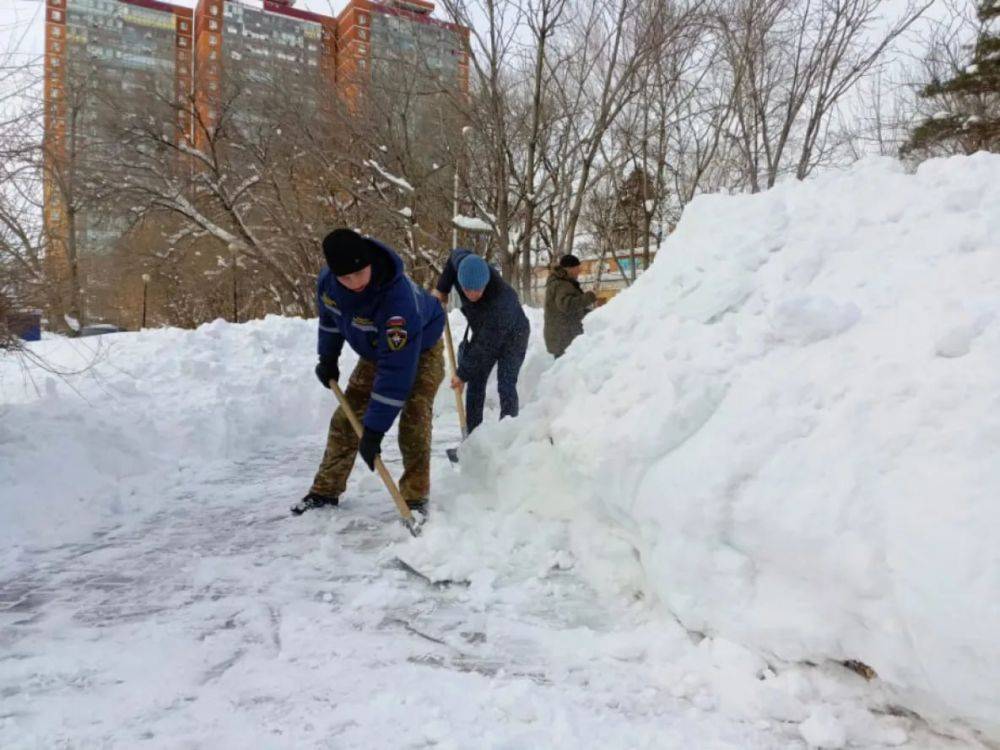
(378, 38)
(92, 46)
(261, 45)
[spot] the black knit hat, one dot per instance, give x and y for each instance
(346, 251)
(569, 261)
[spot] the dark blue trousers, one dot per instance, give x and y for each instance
(508, 363)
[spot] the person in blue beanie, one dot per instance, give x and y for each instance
(365, 299)
(497, 335)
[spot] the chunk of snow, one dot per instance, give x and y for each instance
(399, 182)
(471, 224)
(956, 342)
(805, 320)
(823, 730)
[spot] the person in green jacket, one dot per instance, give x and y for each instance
(565, 305)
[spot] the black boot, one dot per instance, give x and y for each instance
(418, 506)
(314, 500)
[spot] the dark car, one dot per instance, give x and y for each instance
(99, 329)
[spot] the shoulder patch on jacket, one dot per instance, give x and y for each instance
(328, 300)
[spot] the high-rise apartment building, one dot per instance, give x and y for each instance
(245, 52)
(377, 41)
(108, 60)
(105, 61)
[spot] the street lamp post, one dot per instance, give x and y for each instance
(454, 214)
(145, 284)
(234, 249)
(454, 211)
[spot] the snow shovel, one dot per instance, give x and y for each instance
(459, 403)
(409, 521)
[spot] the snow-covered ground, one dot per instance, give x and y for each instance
(772, 455)
(155, 592)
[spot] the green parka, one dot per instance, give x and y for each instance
(565, 305)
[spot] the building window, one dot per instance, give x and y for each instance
(362, 63)
(57, 15)
(213, 25)
(363, 34)
(213, 9)
(182, 41)
(184, 25)
(362, 19)
(213, 55)
(212, 40)
(56, 32)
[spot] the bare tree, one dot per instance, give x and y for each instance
(494, 43)
(243, 181)
(613, 45)
(21, 235)
(792, 62)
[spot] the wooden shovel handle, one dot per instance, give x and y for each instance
(459, 403)
(397, 496)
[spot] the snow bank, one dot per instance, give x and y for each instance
(145, 408)
(792, 423)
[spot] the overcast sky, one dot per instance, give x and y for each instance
(22, 21)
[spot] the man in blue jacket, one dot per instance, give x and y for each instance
(499, 333)
(366, 299)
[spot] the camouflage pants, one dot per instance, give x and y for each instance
(414, 428)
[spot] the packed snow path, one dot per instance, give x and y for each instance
(220, 621)
(224, 622)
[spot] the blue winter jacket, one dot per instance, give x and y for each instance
(493, 319)
(390, 323)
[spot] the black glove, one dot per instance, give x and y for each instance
(371, 446)
(327, 370)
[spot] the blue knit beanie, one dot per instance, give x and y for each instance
(473, 273)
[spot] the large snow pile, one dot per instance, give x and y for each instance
(109, 416)
(794, 421)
